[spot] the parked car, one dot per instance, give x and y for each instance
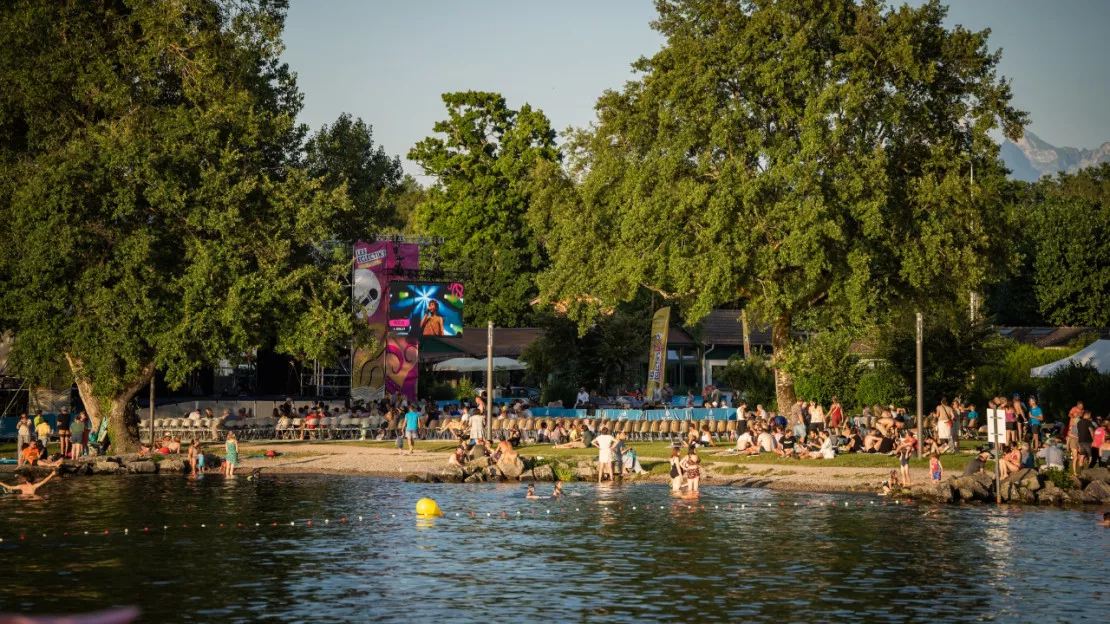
(521, 392)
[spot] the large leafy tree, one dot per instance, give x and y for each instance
(151, 215)
(809, 158)
(482, 159)
(344, 154)
(1071, 262)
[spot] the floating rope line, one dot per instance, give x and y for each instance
(474, 515)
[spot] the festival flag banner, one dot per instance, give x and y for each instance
(657, 363)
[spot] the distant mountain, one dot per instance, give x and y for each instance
(1030, 157)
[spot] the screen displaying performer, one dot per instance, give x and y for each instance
(426, 308)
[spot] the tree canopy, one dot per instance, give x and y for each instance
(807, 160)
(344, 154)
(482, 159)
(1071, 234)
(153, 214)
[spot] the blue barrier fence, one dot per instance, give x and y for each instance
(8, 425)
(667, 414)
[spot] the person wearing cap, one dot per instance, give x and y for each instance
(1052, 455)
(977, 463)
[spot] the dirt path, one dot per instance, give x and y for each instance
(338, 458)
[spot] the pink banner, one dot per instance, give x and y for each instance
(401, 371)
(373, 263)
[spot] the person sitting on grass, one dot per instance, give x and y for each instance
(515, 436)
(788, 445)
(28, 487)
(825, 449)
(580, 437)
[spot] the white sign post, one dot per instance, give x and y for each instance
(996, 427)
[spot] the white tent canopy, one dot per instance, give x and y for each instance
(1096, 354)
(472, 365)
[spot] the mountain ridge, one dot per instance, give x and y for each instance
(1031, 157)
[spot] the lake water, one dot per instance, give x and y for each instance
(625, 553)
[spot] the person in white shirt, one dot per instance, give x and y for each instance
(742, 418)
(767, 442)
(744, 443)
(583, 397)
(477, 425)
(605, 444)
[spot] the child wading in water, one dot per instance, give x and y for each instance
(231, 458)
(194, 451)
(934, 467)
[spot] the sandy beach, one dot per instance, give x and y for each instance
(384, 460)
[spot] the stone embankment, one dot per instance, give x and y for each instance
(485, 470)
(1026, 486)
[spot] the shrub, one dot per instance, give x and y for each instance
(824, 366)
(440, 392)
(465, 390)
(564, 472)
(1010, 372)
(753, 377)
(1060, 478)
(882, 385)
(1075, 382)
(558, 391)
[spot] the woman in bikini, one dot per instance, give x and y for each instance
(691, 466)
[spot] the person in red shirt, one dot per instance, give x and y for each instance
(1100, 446)
(836, 414)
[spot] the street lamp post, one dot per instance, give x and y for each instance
(920, 382)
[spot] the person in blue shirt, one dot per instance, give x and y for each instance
(412, 424)
(1036, 417)
(973, 421)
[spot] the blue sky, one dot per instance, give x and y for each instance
(388, 61)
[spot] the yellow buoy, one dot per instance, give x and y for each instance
(427, 508)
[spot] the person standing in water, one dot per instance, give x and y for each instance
(28, 487)
(231, 458)
(691, 467)
(605, 444)
(676, 469)
(194, 450)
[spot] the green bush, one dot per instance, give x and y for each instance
(465, 390)
(564, 472)
(440, 392)
(1060, 478)
(753, 377)
(558, 391)
(1010, 372)
(1075, 382)
(824, 366)
(882, 385)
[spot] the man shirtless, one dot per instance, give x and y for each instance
(28, 487)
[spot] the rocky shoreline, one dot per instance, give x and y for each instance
(1026, 486)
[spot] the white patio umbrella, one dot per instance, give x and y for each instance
(504, 363)
(460, 365)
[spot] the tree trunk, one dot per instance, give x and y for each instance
(113, 407)
(784, 381)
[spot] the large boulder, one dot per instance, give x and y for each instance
(477, 463)
(1080, 497)
(477, 477)
(543, 473)
(939, 492)
(141, 466)
(512, 468)
(1025, 478)
(1095, 474)
(971, 489)
(106, 467)
(173, 466)
(1098, 491)
(415, 478)
(452, 474)
(586, 473)
(1050, 494)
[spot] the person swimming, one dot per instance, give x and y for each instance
(28, 487)
(532, 492)
(558, 491)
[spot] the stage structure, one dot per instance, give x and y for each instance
(432, 298)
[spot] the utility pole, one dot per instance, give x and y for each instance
(489, 382)
(747, 336)
(152, 409)
(920, 382)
